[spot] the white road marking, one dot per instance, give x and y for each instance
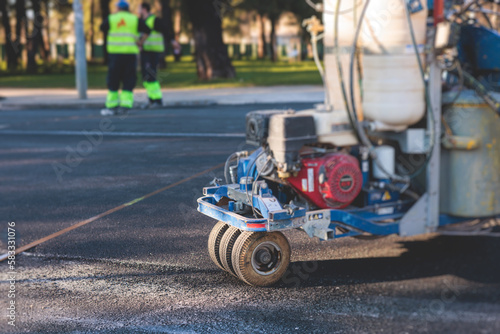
(120, 134)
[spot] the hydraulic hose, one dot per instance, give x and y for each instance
(362, 134)
(430, 111)
(317, 61)
(340, 73)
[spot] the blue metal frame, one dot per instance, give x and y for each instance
(358, 221)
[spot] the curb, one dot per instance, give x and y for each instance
(93, 105)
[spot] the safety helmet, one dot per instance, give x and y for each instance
(123, 5)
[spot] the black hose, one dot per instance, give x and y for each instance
(482, 91)
(364, 137)
(246, 184)
(352, 118)
(461, 79)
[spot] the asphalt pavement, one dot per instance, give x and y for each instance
(146, 269)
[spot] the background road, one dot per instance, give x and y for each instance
(146, 269)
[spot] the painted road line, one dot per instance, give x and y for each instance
(119, 134)
(107, 213)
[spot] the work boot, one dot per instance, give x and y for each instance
(109, 111)
(155, 104)
(152, 104)
(122, 111)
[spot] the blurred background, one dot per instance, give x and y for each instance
(264, 41)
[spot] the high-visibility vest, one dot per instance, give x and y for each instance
(155, 42)
(123, 33)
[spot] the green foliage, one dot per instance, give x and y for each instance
(274, 8)
(183, 75)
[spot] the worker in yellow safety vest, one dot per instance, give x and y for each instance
(153, 49)
(124, 42)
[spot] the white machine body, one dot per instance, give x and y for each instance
(393, 92)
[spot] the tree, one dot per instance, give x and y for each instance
(273, 17)
(92, 29)
(302, 11)
(262, 40)
(272, 10)
(35, 42)
(105, 13)
(10, 47)
(21, 24)
(166, 13)
(212, 59)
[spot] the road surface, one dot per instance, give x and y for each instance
(146, 269)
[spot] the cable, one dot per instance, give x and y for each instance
(482, 91)
(461, 79)
(318, 65)
(246, 184)
(316, 7)
(361, 133)
(427, 96)
(467, 7)
(255, 182)
(363, 136)
(340, 72)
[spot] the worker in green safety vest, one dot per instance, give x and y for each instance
(153, 49)
(124, 42)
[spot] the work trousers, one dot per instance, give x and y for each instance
(122, 71)
(149, 67)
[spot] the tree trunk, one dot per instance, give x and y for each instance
(47, 29)
(92, 32)
(105, 13)
(262, 39)
(273, 44)
(177, 33)
(44, 42)
(10, 47)
(21, 23)
(35, 37)
(166, 14)
(212, 59)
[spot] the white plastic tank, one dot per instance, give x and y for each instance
(393, 91)
(347, 26)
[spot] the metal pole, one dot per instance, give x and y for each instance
(80, 52)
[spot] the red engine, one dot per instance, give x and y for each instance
(331, 181)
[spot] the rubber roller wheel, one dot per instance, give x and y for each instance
(226, 248)
(261, 258)
(214, 240)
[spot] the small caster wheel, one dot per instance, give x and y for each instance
(214, 242)
(261, 258)
(226, 248)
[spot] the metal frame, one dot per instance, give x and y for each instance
(325, 224)
(406, 218)
(403, 218)
(424, 217)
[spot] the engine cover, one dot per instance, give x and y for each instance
(331, 181)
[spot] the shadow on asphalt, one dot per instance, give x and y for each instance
(472, 258)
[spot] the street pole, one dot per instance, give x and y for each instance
(80, 52)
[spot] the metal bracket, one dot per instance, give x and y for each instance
(318, 224)
(415, 220)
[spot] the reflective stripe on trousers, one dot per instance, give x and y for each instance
(112, 100)
(154, 90)
(126, 99)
